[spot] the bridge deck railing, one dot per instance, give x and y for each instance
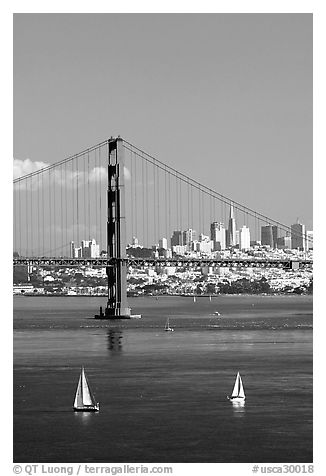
(179, 262)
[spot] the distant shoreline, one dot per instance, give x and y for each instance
(164, 296)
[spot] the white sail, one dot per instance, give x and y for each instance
(236, 386)
(238, 390)
(241, 389)
(79, 395)
(87, 397)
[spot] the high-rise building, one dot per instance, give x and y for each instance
(204, 245)
(284, 242)
(218, 236)
(275, 234)
(244, 238)
(309, 240)
(90, 249)
(163, 243)
(176, 238)
(237, 238)
(231, 238)
(188, 236)
(267, 236)
(75, 252)
(298, 236)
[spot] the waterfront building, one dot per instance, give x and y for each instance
(206, 270)
(24, 288)
(218, 236)
(298, 236)
(168, 270)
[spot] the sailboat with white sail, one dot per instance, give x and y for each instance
(238, 394)
(167, 326)
(84, 399)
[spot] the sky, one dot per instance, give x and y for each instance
(223, 98)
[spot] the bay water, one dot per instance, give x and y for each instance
(163, 394)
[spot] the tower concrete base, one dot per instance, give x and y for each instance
(114, 313)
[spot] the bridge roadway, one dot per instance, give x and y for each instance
(179, 262)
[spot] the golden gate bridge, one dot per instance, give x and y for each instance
(114, 191)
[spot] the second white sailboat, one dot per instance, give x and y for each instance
(84, 399)
(168, 327)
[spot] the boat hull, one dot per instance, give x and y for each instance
(88, 408)
(236, 399)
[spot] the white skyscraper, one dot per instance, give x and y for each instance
(163, 243)
(204, 245)
(75, 252)
(244, 238)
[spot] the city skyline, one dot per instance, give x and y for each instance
(189, 240)
(269, 236)
(298, 238)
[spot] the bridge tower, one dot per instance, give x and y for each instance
(117, 305)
